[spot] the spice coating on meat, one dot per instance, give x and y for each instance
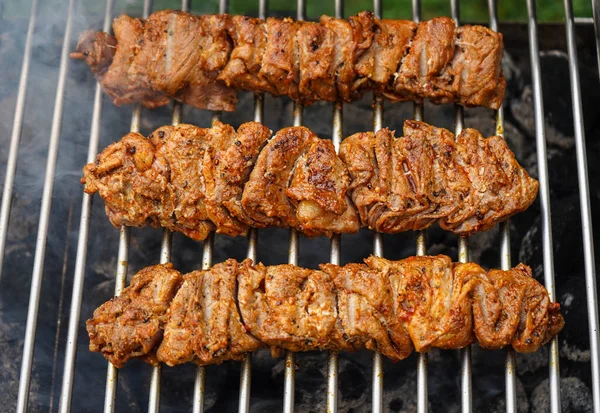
(202, 60)
(204, 324)
(131, 325)
(196, 180)
(467, 185)
(393, 307)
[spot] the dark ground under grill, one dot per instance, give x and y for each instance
(222, 383)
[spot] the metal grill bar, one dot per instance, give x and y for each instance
(336, 138)
(246, 368)
(40, 247)
(377, 250)
(13, 151)
(540, 134)
(207, 261)
(584, 199)
(466, 394)
(510, 363)
(82, 245)
(290, 359)
(165, 257)
(112, 373)
(421, 249)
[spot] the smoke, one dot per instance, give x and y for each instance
(103, 241)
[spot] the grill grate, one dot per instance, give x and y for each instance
(165, 254)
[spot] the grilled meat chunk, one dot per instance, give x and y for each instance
(393, 307)
(315, 201)
(131, 325)
(408, 183)
(196, 180)
(249, 39)
(202, 60)
(204, 324)
(170, 55)
(227, 164)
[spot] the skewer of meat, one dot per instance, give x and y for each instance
(393, 307)
(196, 180)
(204, 60)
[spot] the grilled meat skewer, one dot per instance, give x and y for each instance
(393, 307)
(196, 180)
(203, 60)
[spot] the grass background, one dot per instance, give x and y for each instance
(471, 10)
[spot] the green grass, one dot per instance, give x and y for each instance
(471, 10)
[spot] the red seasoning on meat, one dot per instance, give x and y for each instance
(195, 180)
(203, 60)
(393, 307)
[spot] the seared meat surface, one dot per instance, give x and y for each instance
(467, 185)
(132, 324)
(203, 60)
(393, 307)
(195, 180)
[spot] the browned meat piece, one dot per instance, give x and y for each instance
(343, 57)
(315, 202)
(287, 307)
(367, 310)
(264, 198)
(182, 147)
(500, 187)
(279, 63)
(384, 43)
(250, 41)
(424, 73)
(154, 181)
(195, 180)
(132, 180)
(227, 166)
(319, 187)
(522, 315)
(131, 325)
(97, 49)
(315, 44)
(390, 178)
(387, 306)
(204, 324)
(409, 182)
(448, 182)
(432, 299)
(199, 60)
(476, 68)
(170, 55)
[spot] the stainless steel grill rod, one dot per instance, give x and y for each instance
(466, 388)
(82, 246)
(290, 359)
(584, 199)
(540, 135)
(40, 247)
(13, 151)
(421, 249)
(207, 261)
(246, 368)
(377, 390)
(336, 138)
(112, 373)
(505, 259)
(165, 257)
